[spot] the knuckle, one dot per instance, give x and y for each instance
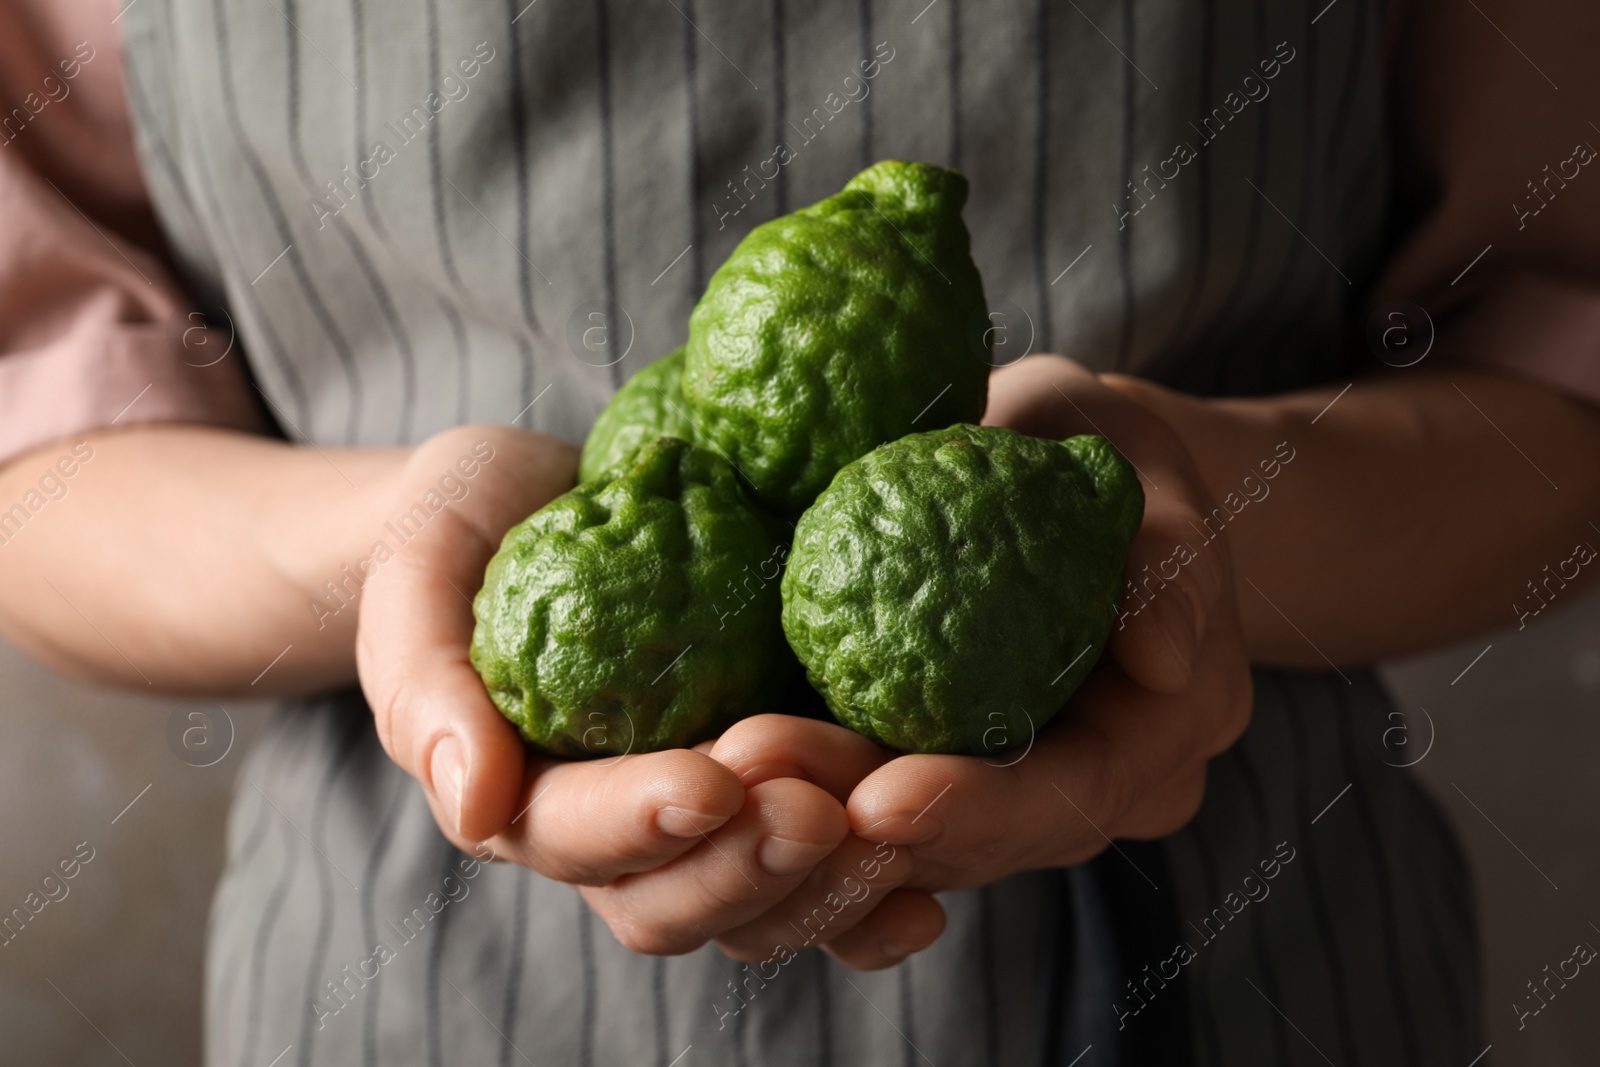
(718, 896)
(631, 936)
(1184, 805)
(865, 959)
(1112, 791)
(644, 782)
(642, 940)
(745, 948)
(564, 864)
(1172, 810)
(575, 874)
(1238, 702)
(753, 728)
(652, 938)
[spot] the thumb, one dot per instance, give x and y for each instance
(1174, 578)
(432, 713)
(415, 624)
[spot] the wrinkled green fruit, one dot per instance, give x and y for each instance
(832, 330)
(648, 406)
(950, 590)
(637, 612)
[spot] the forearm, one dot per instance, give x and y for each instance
(1405, 519)
(188, 559)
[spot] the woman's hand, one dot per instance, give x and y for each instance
(670, 848)
(1126, 758)
(787, 824)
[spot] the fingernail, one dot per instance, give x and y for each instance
(682, 822)
(448, 769)
(781, 856)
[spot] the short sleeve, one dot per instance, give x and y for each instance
(94, 330)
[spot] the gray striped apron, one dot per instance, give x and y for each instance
(418, 214)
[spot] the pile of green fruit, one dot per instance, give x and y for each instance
(756, 502)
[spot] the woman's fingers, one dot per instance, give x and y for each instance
(764, 747)
(908, 921)
(590, 823)
(785, 829)
(1123, 761)
(839, 894)
(968, 821)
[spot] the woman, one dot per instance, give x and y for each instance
(439, 235)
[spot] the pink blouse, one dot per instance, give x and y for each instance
(92, 323)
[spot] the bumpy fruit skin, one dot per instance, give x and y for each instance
(830, 331)
(608, 622)
(648, 406)
(940, 588)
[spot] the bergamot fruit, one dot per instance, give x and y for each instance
(832, 330)
(637, 612)
(648, 406)
(950, 590)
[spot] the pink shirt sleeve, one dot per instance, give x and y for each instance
(92, 325)
(1492, 102)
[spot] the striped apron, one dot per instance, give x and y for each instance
(417, 214)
